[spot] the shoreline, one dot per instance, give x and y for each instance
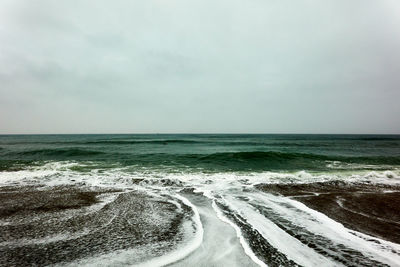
(369, 209)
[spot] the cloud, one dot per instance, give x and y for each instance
(199, 66)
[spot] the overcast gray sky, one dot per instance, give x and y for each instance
(154, 66)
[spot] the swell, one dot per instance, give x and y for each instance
(59, 152)
(205, 142)
(264, 143)
(153, 142)
(108, 142)
(223, 161)
(294, 159)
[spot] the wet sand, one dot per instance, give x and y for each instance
(46, 226)
(88, 225)
(28, 200)
(370, 209)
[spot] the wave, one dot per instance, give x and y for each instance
(288, 155)
(185, 141)
(389, 138)
(118, 176)
(60, 152)
(131, 142)
(292, 160)
(108, 142)
(299, 143)
(222, 161)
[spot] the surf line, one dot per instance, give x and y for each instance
(181, 253)
(242, 240)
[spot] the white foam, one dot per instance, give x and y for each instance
(320, 224)
(291, 247)
(129, 257)
(220, 246)
(231, 185)
(242, 240)
(338, 165)
(185, 251)
(62, 173)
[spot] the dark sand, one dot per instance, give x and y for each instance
(370, 209)
(45, 226)
(28, 200)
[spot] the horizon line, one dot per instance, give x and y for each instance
(189, 133)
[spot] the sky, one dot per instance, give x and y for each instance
(200, 66)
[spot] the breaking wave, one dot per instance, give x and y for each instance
(223, 161)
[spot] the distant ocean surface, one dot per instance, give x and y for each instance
(201, 200)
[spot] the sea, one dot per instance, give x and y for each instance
(199, 200)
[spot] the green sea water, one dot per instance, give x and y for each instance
(206, 152)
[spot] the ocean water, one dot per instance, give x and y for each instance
(201, 200)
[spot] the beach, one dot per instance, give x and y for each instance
(201, 200)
